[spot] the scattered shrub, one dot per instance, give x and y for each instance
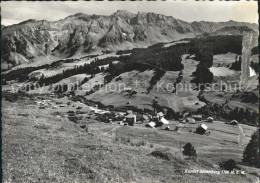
(162, 154)
(105, 117)
(41, 126)
(228, 165)
(189, 150)
(125, 140)
(140, 143)
(10, 97)
(128, 141)
(71, 114)
(74, 119)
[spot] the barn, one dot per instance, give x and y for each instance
(234, 122)
(197, 117)
(191, 120)
(131, 119)
(150, 125)
(210, 119)
(160, 115)
(161, 122)
(201, 129)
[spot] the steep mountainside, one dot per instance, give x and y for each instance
(80, 34)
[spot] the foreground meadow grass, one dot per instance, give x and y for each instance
(38, 146)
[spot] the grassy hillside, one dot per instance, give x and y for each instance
(42, 145)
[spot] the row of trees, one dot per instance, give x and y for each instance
(91, 68)
(220, 111)
(156, 77)
(21, 74)
(244, 116)
(218, 44)
(202, 75)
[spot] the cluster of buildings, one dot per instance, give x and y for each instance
(130, 118)
(154, 121)
(157, 121)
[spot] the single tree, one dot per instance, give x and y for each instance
(228, 165)
(189, 150)
(251, 153)
(155, 105)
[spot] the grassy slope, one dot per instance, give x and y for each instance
(184, 100)
(39, 146)
(111, 95)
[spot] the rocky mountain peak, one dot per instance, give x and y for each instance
(124, 14)
(81, 33)
(28, 21)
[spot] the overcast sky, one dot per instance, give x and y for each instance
(16, 11)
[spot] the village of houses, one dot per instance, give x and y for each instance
(83, 115)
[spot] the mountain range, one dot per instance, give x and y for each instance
(81, 34)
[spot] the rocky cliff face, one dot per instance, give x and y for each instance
(27, 40)
(80, 34)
